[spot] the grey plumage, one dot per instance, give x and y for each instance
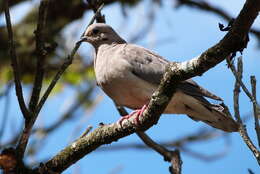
(129, 74)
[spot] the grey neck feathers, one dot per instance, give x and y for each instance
(107, 44)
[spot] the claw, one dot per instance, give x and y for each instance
(136, 119)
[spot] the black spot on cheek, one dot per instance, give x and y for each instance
(104, 39)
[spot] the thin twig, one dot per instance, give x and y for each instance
(209, 157)
(238, 75)
(168, 155)
(23, 141)
(250, 171)
(97, 13)
(95, 7)
(63, 67)
(15, 64)
(201, 135)
(69, 114)
(256, 109)
(41, 54)
(28, 126)
(29, 122)
(239, 80)
(242, 128)
(86, 131)
(181, 144)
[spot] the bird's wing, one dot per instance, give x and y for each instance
(145, 64)
(192, 88)
(150, 67)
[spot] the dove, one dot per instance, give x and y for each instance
(129, 74)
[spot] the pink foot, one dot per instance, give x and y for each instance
(139, 112)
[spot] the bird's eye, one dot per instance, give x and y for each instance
(95, 31)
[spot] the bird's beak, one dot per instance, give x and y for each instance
(84, 39)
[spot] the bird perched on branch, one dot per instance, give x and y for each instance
(129, 74)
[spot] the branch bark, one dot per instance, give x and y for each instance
(255, 109)
(15, 64)
(233, 41)
(171, 156)
(29, 121)
(242, 129)
(41, 54)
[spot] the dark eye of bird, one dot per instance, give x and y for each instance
(95, 31)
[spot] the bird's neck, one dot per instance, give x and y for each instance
(108, 45)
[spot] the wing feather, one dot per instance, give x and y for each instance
(150, 67)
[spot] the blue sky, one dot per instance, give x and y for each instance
(191, 32)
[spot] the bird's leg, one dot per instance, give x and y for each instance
(138, 113)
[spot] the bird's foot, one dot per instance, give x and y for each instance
(138, 113)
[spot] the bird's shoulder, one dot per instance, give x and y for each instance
(141, 55)
(143, 63)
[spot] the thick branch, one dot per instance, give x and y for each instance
(173, 75)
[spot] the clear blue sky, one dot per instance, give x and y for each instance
(191, 32)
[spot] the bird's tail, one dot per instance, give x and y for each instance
(215, 115)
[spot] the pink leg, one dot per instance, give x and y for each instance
(136, 119)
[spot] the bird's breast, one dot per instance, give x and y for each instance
(115, 78)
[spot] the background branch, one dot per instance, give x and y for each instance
(171, 156)
(255, 109)
(29, 121)
(242, 128)
(15, 64)
(41, 53)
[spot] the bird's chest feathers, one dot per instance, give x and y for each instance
(109, 68)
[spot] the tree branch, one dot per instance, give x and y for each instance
(242, 128)
(175, 73)
(63, 67)
(41, 54)
(176, 162)
(69, 114)
(171, 156)
(29, 121)
(201, 135)
(15, 65)
(255, 109)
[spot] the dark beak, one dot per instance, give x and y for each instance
(83, 39)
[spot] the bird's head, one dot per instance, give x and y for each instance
(100, 33)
